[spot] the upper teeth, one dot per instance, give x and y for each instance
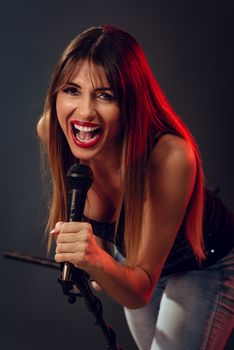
(85, 128)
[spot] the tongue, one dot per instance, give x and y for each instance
(83, 135)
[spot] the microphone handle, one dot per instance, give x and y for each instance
(76, 204)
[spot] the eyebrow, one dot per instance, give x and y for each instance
(101, 88)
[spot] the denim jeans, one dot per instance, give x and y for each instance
(188, 311)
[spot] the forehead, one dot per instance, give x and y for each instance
(86, 72)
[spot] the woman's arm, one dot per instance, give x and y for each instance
(170, 181)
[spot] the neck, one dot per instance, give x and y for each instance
(104, 194)
(106, 167)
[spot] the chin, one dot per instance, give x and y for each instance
(85, 154)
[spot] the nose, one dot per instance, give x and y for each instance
(86, 107)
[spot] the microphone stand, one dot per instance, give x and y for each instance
(76, 286)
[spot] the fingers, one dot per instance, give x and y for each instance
(71, 257)
(70, 247)
(78, 259)
(75, 244)
(62, 229)
(56, 229)
(68, 237)
(67, 227)
(66, 248)
(96, 286)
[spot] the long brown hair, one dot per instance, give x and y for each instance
(145, 112)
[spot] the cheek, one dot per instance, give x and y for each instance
(65, 107)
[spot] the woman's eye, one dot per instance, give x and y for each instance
(105, 96)
(71, 90)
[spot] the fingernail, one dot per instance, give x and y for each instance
(52, 232)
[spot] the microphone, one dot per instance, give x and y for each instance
(79, 180)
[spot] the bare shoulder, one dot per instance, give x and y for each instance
(172, 151)
(172, 168)
(43, 127)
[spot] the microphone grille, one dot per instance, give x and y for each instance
(80, 177)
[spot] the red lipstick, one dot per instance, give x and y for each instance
(85, 134)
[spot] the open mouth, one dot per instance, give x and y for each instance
(85, 134)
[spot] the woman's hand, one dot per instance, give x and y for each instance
(96, 286)
(76, 244)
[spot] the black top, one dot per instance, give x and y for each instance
(218, 234)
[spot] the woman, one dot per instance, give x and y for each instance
(172, 261)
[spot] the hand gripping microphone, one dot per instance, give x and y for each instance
(79, 180)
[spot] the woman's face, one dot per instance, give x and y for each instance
(89, 114)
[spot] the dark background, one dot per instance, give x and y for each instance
(190, 48)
